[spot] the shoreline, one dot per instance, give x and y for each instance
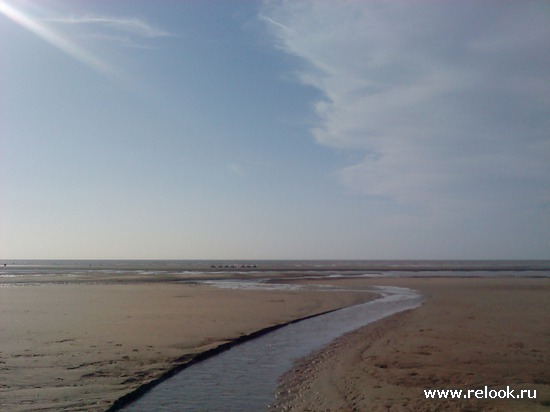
(467, 335)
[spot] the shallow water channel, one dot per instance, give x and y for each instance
(244, 378)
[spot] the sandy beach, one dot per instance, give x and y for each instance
(469, 333)
(80, 346)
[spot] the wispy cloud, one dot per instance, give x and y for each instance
(130, 26)
(57, 40)
(444, 101)
(274, 22)
(127, 32)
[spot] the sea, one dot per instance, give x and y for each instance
(176, 270)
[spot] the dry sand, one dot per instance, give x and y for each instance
(468, 334)
(80, 346)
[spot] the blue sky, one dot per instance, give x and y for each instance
(278, 129)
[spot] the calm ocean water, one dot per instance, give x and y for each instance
(269, 268)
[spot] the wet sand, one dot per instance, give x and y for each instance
(468, 334)
(80, 346)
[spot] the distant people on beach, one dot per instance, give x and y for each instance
(233, 266)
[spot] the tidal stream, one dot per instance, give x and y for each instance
(244, 378)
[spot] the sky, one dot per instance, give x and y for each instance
(138, 129)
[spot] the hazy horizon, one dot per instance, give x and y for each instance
(275, 130)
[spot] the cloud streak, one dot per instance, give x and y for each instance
(130, 26)
(443, 101)
(57, 40)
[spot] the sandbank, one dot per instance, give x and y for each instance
(470, 333)
(79, 346)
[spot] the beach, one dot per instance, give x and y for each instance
(469, 333)
(83, 343)
(79, 346)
